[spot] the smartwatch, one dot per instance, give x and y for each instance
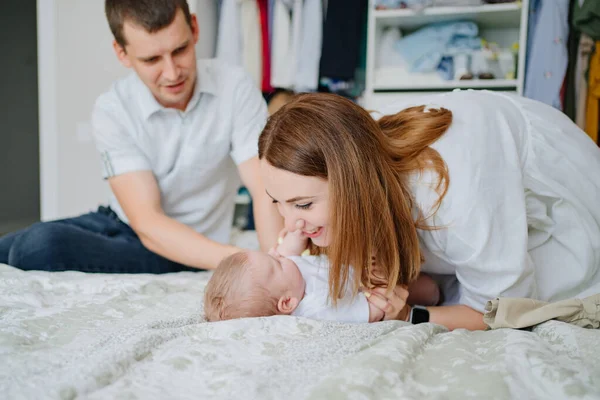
(418, 315)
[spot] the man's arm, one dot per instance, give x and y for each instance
(139, 196)
(267, 219)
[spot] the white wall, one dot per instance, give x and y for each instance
(206, 11)
(86, 66)
(77, 64)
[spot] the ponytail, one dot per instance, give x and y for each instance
(409, 134)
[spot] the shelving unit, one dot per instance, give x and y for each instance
(503, 23)
(471, 84)
(492, 15)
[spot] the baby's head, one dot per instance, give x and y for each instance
(253, 284)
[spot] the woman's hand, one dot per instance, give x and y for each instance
(375, 314)
(393, 304)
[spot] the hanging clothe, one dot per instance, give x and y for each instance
(584, 51)
(570, 98)
(263, 6)
(296, 44)
(586, 17)
(548, 57)
(208, 21)
(278, 42)
(282, 49)
(239, 40)
(592, 115)
(309, 55)
(229, 39)
(251, 40)
(341, 38)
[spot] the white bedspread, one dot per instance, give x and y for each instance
(74, 335)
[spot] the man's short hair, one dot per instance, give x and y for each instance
(152, 15)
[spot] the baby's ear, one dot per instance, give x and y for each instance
(287, 305)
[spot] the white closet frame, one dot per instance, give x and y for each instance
(503, 23)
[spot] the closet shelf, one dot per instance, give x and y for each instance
(465, 84)
(503, 15)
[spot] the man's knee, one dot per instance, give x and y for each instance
(5, 244)
(41, 247)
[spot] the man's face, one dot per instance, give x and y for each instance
(165, 60)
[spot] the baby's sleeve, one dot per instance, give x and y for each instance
(348, 309)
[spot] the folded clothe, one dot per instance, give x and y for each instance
(387, 55)
(524, 313)
(423, 50)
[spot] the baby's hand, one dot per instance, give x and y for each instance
(292, 243)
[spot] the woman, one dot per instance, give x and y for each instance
(500, 191)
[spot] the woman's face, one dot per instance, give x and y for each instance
(299, 198)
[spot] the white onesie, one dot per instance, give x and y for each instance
(316, 304)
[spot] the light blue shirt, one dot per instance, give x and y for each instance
(547, 50)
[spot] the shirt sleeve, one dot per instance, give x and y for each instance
(350, 310)
(250, 115)
(481, 225)
(118, 150)
(489, 249)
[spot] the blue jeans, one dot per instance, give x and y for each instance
(94, 242)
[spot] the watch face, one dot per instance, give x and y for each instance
(419, 315)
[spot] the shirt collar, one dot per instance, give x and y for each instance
(205, 83)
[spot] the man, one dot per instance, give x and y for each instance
(170, 136)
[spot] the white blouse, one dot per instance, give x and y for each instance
(521, 217)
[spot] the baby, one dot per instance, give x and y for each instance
(282, 282)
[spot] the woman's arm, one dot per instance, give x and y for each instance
(375, 314)
(453, 317)
(456, 317)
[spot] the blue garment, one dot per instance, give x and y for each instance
(532, 21)
(94, 242)
(423, 50)
(547, 51)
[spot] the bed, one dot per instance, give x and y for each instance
(72, 335)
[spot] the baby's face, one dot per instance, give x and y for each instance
(278, 274)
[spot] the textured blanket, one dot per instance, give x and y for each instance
(73, 335)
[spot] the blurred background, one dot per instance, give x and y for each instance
(57, 58)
